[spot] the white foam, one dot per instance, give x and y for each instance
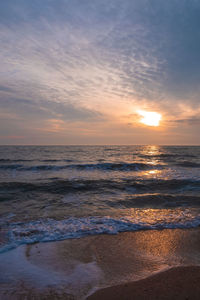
(15, 268)
(54, 230)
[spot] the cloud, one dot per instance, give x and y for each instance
(190, 121)
(96, 60)
(47, 110)
(5, 89)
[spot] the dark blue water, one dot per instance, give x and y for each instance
(59, 192)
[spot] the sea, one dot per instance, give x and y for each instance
(52, 193)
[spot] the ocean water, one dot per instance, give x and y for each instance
(50, 193)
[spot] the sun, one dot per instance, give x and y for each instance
(150, 118)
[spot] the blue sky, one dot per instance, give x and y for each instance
(76, 72)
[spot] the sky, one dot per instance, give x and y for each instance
(79, 71)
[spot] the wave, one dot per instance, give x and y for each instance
(55, 230)
(7, 160)
(126, 185)
(156, 201)
(11, 167)
(118, 166)
(166, 155)
(56, 160)
(188, 164)
(99, 166)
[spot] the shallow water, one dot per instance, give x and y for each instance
(80, 266)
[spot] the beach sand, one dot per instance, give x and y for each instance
(133, 265)
(181, 283)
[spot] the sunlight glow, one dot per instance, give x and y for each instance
(150, 118)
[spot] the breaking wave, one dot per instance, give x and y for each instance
(55, 230)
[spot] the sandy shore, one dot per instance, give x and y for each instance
(181, 283)
(74, 269)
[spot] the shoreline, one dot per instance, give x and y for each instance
(73, 269)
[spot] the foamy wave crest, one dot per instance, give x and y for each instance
(55, 230)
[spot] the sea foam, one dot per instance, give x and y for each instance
(55, 230)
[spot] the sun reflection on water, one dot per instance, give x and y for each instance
(152, 173)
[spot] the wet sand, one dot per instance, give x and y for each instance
(181, 283)
(75, 269)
